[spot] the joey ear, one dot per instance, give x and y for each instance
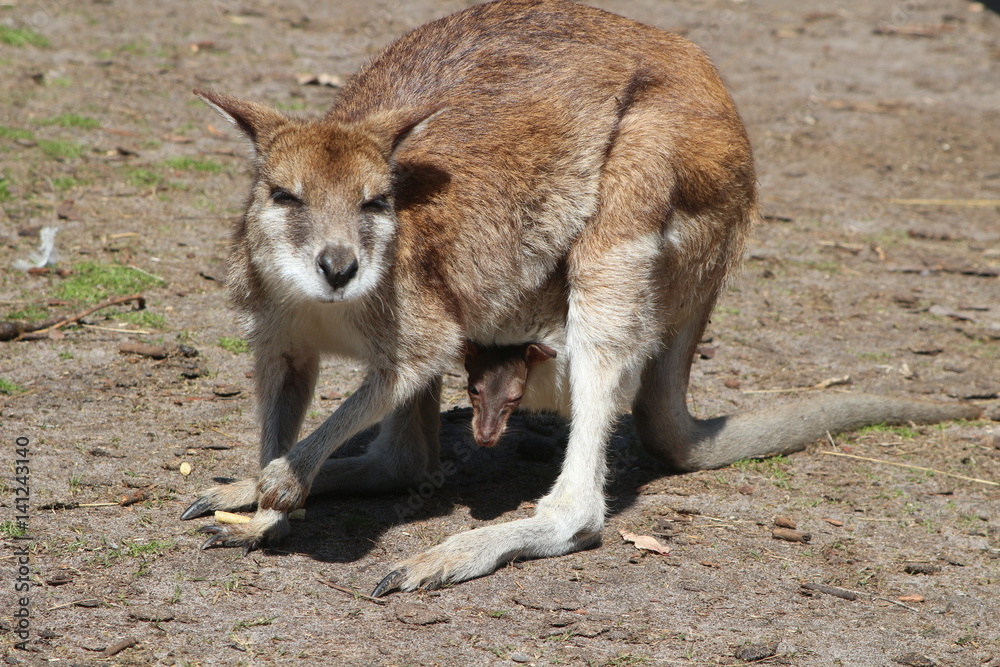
(536, 353)
(253, 119)
(391, 128)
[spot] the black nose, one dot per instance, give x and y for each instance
(338, 265)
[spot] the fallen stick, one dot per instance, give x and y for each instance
(913, 467)
(790, 535)
(344, 589)
(830, 590)
(119, 646)
(38, 330)
(848, 594)
(74, 602)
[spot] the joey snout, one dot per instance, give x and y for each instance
(338, 264)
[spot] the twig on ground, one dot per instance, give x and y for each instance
(913, 467)
(349, 591)
(40, 330)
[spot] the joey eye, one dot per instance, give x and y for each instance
(379, 204)
(283, 197)
(473, 391)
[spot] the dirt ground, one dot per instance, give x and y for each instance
(876, 127)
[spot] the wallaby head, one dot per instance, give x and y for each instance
(321, 215)
(498, 376)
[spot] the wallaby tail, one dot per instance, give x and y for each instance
(695, 444)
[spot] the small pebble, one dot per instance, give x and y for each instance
(519, 657)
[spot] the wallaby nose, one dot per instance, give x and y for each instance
(338, 264)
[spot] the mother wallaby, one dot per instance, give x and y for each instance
(523, 170)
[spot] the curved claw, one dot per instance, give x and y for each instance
(198, 508)
(267, 526)
(230, 497)
(221, 537)
(391, 582)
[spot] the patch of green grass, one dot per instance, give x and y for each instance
(12, 529)
(144, 318)
(626, 659)
(31, 312)
(9, 387)
(66, 355)
(260, 620)
(15, 134)
(142, 178)
(58, 149)
(93, 281)
(64, 183)
(234, 345)
(825, 267)
(148, 548)
(21, 37)
(186, 163)
(5, 194)
(768, 466)
(71, 120)
(292, 105)
(499, 613)
(901, 431)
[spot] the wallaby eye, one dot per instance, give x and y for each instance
(379, 204)
(283, 197)
(473, 390)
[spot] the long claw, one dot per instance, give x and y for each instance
(198, 508)
(211, 541)
(389, 583)
(220, 536)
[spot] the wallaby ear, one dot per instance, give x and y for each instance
(536, 353)
(253, 119)
(391, 128)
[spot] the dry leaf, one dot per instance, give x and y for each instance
(229, 517)
(644, 542)
(185, 468)
(911, 598)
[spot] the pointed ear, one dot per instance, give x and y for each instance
(253, 119)
(392, 128)
(536, 353)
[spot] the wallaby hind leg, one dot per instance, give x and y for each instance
(604, 363)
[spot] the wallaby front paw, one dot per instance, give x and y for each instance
(280, 489)
(267, 526)
(239, 495)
